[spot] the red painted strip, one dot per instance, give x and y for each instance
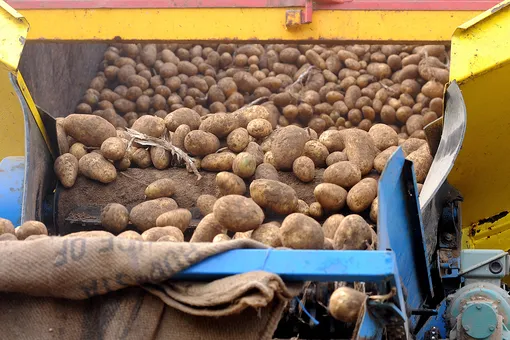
(410, 5)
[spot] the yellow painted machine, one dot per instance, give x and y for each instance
(63, 32)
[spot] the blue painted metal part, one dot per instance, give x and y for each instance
(12, 174)
(479, 319)
(438, 321)
(298, 265)
(370, 327)
(400, 229)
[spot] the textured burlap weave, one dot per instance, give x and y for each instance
(113, 288)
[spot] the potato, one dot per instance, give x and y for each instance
(383, 136)
(288, 145)
(88, 234)
(332, 140)
(382, 158)
(345, 174)
(66, 169)
(205, 204)
(168, 238)
(238, 213)
(141, 157)
(379, 70)
(164, 187)
(144, 215)
(275, 196)
(179, 135)
(207, 229)
(303, 207)
(156, 233)
(299, 231)
(330, 196)
(331, 224)
(267, 171)
(63, 144)
(201, 143)
(422, 160)
(131, 235)
(411, 145)
(218, 161)
(268, 234)
(335, 157)
(114, 217)
(96, 167)
(256, 151)
(374, 210)
(415, 123)
(148, 54)
(244, 165)
(30, 228)
(182, 116)
(179, 218)
(362, 194)
(259, 128)
(353, 233)
(149, 125)
(114, 148)
(360, 149)
(238, 139)
(304, 169)
(160, 157)
(11, 237)
(6, 227)
(124, 105)
(90, 130)
(230, 184)
(317, 152)
(345, 304)
(271, 83)
(221, 238)
(220, 124)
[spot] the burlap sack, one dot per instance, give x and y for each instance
(112, 288)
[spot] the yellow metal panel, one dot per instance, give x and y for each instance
(481, 64)
(241, 24)
(13, 28)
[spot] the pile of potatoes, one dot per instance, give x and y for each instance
(248, 112)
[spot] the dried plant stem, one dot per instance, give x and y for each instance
(143, 139)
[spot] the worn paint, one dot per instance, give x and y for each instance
(240, 24)
(481, 65)
(429, 5)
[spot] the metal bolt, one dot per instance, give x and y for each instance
(448, 237)
(466, 328)
(478, 307)
(492, 328)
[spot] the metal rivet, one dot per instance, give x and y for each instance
(492, 328)
(478, 307)
(466, 328)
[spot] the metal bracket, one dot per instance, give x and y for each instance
(297, 17)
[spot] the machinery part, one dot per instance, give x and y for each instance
(481, 75)
(255, 20)
(12, 171)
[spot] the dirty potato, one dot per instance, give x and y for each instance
(131, 235)
(360, 149)
(91, 130)
(332, 140)
(205, 203)
(267, 171)
(331, 197)
(96, 167)
(182, 116)
(304, 169)
(30, 228)
(345, 304)
(275, 196)
(345, 174)
(331, 224)
(144, 215)
(114, 148)
(383, 136)
(353, 233)
(422, 160)
(238, 213)
(66, 169)
(268, 234)
(299, 231)
(317, 152)
(78, 150)
(288, 145)
(244, 165)
(154, 234)
(207, 229)
(230, 184)
(201, 143)
(218, 161)
(238, 139)
(164, 187)
(114, 217)
(259, 128)
(149, 125)
(221, 238)
(382, 158)
(179, 218)
(361, 195)
(6, 227)
(335, 157)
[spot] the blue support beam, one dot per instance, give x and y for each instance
(298, 265)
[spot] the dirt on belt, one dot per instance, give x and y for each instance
(129, 187)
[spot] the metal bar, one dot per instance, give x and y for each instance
(256, 24)
(421, 5)
(298, 265)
